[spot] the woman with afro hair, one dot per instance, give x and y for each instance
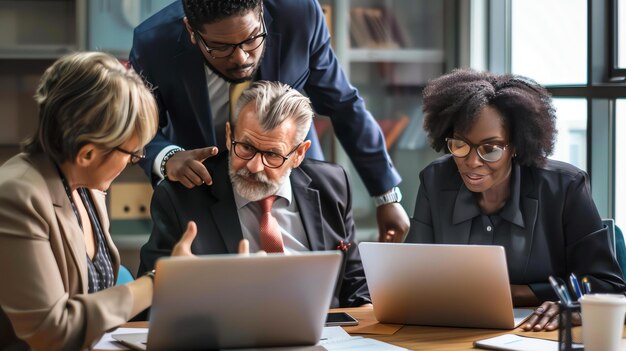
(497, 187)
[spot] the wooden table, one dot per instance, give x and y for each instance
(434, 338)
(419, 337)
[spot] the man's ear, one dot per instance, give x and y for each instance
(190, 31)
(300, 152)
(228, 134)
(86, 155)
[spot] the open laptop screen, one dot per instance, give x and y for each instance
(441, 285)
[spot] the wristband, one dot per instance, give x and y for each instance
(167, 156)
(393, 195)
(151, 274)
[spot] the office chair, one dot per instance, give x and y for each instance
(609, 223)
(618, 245)
(620, 249)
(124, 276)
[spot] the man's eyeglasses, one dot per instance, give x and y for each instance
(227, 50)
(487, 152)
(134, 157)
(270, 159)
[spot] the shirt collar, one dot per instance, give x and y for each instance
(466, 207)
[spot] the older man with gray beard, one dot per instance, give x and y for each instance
(265, 191)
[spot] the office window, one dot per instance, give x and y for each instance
(620, 163)
(571, 142)
(549, 40)
(621, 34)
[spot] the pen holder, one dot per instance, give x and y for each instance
(567, 338)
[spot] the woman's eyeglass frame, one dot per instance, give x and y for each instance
(480, 149)
(135, 158)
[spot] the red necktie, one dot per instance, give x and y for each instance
(271, 239)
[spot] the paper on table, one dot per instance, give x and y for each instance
(359, 343)
(328, 334)
(512, 342)
(108, 343)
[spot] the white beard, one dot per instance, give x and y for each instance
(260, 187)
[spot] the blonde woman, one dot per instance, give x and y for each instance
(58, 264)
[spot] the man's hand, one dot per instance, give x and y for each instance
(546, 317)
(393, 222)
(244, 248)
(186, 167)
(183, 246)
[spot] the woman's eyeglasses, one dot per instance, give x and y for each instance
(134, 157)
(487, 152)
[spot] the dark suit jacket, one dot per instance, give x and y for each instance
(297, 53)
(321, 190)
(558, 229)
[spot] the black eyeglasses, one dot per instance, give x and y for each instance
(487, 152)
(134, 157)
(227, 50)
(270, 159)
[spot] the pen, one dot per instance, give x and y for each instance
(587, 285)
(575, 287)
(568, 299)
(557, 289)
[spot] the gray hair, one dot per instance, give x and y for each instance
(90, 97)
(275, 103)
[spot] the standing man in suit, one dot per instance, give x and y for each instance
(194, 51)
(312, 204)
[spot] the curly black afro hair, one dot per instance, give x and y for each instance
(200, 12)
(452, 102)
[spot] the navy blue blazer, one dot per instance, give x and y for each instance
(556, 231)
(321, 191)
(297, 53)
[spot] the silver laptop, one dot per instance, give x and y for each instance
(440, 285)
(232, 301)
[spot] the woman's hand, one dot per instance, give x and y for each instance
(546, 317)
(183, 246)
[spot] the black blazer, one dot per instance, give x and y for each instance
(321, 190)
(557, 231)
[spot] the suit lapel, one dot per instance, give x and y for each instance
(224, 209)
(190, 66)
(66, 218)
(310, 210)
(270, 64)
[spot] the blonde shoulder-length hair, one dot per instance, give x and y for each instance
(90, 97)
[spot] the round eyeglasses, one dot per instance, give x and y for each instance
(270, 159)
(487, 152)
(227, 50)
(134, 157)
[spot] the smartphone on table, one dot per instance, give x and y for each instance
(340, 318)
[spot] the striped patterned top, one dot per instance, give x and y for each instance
(100, 269)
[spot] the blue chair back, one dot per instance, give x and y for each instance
(620, 249)
(124, 276)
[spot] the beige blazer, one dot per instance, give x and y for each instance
(43, 269)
